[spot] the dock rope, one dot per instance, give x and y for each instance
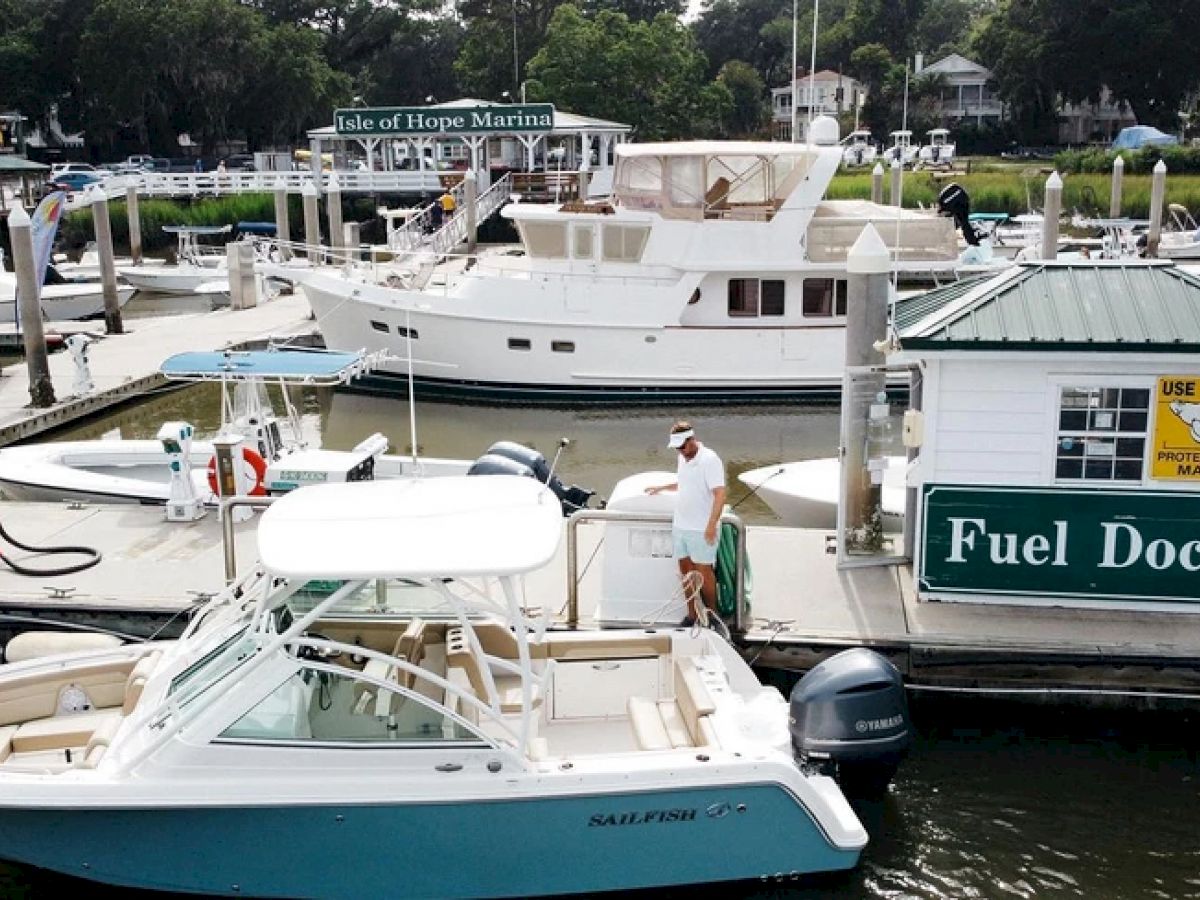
(64, 570)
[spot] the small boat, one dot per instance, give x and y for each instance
(805, 494)
(939, 151)
(274, 459)
(60, 302)
(859, 150)
(902, 148)
(197, 263)
(1182, 239)
(372, 711)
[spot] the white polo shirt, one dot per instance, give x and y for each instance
(698, 477)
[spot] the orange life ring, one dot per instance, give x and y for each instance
(253, 459)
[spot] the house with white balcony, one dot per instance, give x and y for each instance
(828, 93)
(967, 96)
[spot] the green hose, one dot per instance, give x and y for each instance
(726, 572)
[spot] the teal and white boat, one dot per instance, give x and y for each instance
(374, 711)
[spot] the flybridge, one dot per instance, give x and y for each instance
(505, 119)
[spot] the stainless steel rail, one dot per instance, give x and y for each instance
(227, 533)
(740, 608)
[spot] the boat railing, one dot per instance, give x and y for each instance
(741, 608)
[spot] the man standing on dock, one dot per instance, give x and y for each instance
(700, 481)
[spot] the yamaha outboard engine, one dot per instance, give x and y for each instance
(953, 201)
(510, 458)
(849, 718)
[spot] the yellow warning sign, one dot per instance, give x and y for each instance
(1175, 452)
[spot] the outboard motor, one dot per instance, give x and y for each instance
(849, 718)
(510, 458)
(953, 201)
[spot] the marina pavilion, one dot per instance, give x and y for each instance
(572, 143)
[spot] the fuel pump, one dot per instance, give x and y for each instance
(183, 503)
(228, 472)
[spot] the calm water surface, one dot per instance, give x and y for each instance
(997, 800)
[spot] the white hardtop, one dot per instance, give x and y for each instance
(935, 132)
(714, 148)
(901, 133)
(414, 528)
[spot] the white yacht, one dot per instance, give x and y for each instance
(716, 271)
(376, 710)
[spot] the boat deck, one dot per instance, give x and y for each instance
(802, 607)
(125, 366)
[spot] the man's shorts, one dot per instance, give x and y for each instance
(693, 545)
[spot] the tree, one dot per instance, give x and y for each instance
(747, 110)
(648, 74)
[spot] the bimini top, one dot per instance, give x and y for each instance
(1122, 306)
(294, 366)
(412, 528)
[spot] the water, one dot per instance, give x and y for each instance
(997, 800)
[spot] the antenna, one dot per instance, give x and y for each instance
(812, 74)
(563, 443)
(899, 198)
(418, 469)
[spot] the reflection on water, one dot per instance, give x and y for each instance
(996, 801)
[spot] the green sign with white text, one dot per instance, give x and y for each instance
(1061, 542)
(499, 119)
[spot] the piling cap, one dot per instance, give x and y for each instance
(309, 189)
(1054, 182)
(1119, 162)
(280, 184)
(334, 184)
(18, 217)
(869, 255)
(1160, 168)
(878, 170)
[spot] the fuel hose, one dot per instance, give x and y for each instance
(90, 552)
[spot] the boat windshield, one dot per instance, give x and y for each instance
(391, 597)
(727, 185)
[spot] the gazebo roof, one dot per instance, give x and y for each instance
(19, 165)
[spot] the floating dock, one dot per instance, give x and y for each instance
(125, 366)
(802, 608)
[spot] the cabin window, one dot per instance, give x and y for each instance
(824, 298)
(520, 344)
(755, 297)
(380, 326)
(562, 346)
(547, 240)
(584, 240)
(314, 705)
(410, 333)
(622, 243)
(1101, 433)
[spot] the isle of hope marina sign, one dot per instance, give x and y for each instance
(1135, 544)
(496, 119)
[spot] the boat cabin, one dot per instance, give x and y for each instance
(1054, 441)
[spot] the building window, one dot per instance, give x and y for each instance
(1101, 434)
(519, 344)
(562, 346)
(824, 297)
(755, 297)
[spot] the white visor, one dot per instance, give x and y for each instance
(679, 438)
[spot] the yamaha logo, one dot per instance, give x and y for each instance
(864, 726)
(717, 811)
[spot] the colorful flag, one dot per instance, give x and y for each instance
(43, 228)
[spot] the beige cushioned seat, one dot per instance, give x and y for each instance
(410, 647)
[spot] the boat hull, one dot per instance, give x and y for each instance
(805, 494)
(480, 848)
(61, 302)
(172, 279)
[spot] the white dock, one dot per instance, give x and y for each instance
(126, 365)
(802, 607)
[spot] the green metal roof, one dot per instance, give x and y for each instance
(19, 165)
(1101, 306)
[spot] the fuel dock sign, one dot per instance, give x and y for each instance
(395, 120)
(1061, 542)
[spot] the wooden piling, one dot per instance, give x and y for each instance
(20, 235)
(897, 183)
(108, 268)
(877, 184)
(312, 223)
(1158, 193)
(1052, 207)
(135, 224)
(470, 194)
(1118, 178)
(333, 208)
(283, 232)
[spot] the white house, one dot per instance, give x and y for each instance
(829, 93)
(967, 96)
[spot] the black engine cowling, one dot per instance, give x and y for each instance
(954, 201)
(510, 458)
(849, 717)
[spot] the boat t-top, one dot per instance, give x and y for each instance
(382, 707)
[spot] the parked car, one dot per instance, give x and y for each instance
(73, 181)
(240, 162)
(58, 169)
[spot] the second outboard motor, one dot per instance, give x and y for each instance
(953, 201)
(510, 458)
(849, 718)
